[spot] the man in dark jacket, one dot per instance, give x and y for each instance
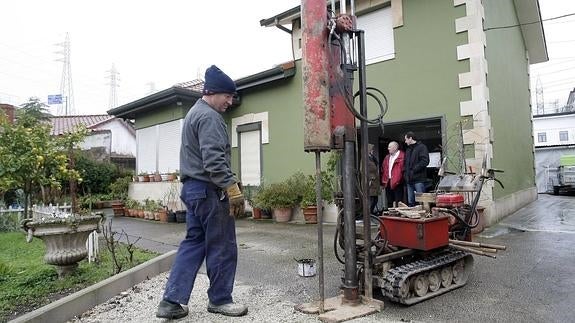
(415, 170)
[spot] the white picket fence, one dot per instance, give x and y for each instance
(42, 212)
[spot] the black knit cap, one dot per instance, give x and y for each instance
(217, 81)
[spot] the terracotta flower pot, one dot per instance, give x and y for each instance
(282, 214)
(256, 213)
(310, 214)
(163, 214)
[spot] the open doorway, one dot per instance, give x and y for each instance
(430, 131)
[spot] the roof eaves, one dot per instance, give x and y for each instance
(281, 19)
(97, 124)
(528, 11)
(279, 72)
(556, 114)
(153, 100)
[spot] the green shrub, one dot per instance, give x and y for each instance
(96, 175)
(9, 222)
(308, 190)
(119, 188)
(276, 195)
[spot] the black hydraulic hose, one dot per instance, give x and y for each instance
(350, 105)
(385, 242)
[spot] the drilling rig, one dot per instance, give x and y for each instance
(409, 258)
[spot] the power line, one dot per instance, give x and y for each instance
(557, 71)
(550, 64)
(529, 23)
(561, 41)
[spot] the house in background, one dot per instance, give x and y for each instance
(8, 111)
(109, 138)
(554, 136)
(450, 73)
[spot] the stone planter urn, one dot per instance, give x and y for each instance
(65, 239)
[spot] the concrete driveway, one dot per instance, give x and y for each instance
(532, 281)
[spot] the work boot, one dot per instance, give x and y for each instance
(171, 311)
(229, 309)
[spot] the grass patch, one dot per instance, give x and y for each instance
(27, 283)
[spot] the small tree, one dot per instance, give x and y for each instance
(32, 159)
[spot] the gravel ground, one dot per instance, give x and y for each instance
(138, 304)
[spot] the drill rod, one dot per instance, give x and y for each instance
(477, 244)
(319, 208)
(471, 250)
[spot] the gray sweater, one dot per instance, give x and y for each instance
(205, 151)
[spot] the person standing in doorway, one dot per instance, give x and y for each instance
(392, 174)
(209, 189)
(373, 179)
(415, 169)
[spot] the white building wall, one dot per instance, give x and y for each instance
(96, 140)
(552, 126)
(123, 141)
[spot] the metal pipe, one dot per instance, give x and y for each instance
(364, 165)
(319, 204)
(471, 250)
(491, 250)
(350, 284)
(342, 5)
(478, 244)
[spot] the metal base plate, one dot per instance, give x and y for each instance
(338, 311)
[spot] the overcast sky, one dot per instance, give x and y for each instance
(156, 44)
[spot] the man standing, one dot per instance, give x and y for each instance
(416, 161)
(392, 174)
(373, 178)
(209, 188)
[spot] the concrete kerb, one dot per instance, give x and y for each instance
(75, 304)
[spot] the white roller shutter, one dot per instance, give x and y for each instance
(169, 140)
(250, 157)
(146, 144)
(379, 43)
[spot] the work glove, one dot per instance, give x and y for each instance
(235, 195)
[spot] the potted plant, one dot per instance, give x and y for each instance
(172, 176)
(250, 193)
(131, 207)
(308, 202)
(162, 212)
(281, 198)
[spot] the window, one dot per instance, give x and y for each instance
(249, 137)
(379, 42)
(542, 137)
(158, 147)
(378, 27)
(563, 135)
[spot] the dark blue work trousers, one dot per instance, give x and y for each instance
(211, 235)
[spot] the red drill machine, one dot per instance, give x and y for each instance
(409, 259)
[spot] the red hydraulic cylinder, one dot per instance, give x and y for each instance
(315, 63)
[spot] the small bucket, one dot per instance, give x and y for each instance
(305, 267)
